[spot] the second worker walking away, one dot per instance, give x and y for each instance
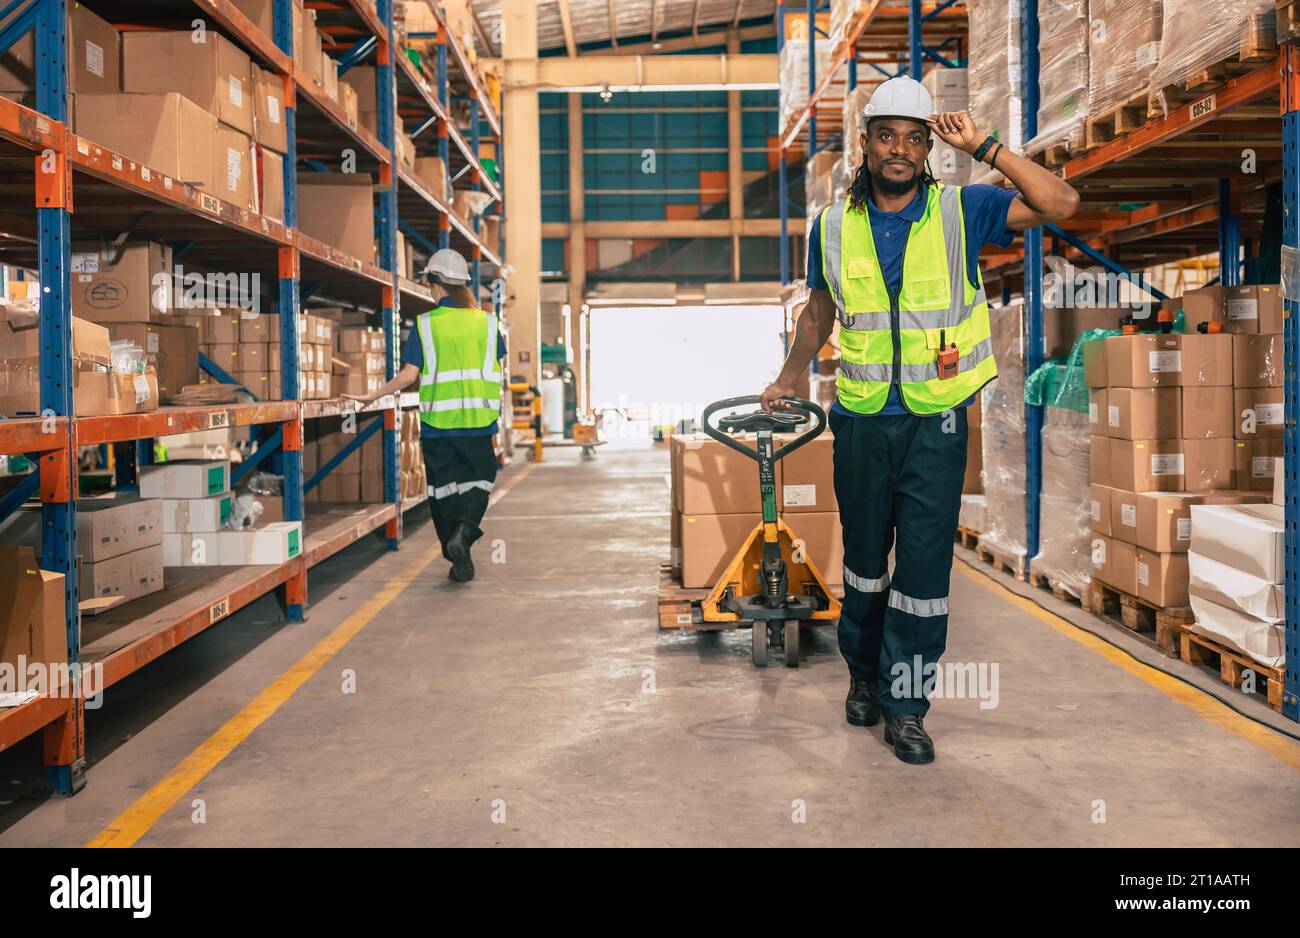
(455, 351)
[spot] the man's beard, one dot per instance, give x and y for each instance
(886, 186)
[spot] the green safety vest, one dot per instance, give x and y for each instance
(886, 339)
(460, 384)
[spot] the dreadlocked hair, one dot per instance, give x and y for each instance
(860, 190)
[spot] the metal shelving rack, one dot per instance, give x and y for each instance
(91, 188)
(1184, 167)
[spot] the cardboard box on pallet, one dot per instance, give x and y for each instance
(1259, 413)
(709, 542)
(1206, 360)
(1144, 413)
(111, 284)
(1098, 412)
(1099, 501)
(1114, 563)
(213, 73)
(1099, 460)
(714, 479)
(33, 623)
(1142, 361)
(1209, 464)
(807, 477)
(1206, 413)
(1255, 462)
(1145, 465)
(1161, 578)
(1257, 361)
(1253, 309)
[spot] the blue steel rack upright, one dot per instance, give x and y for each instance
(53, 438)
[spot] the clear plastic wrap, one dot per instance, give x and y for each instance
(792, 65)
(819, 182)
(1201, 33)
(854, 102)
(1064, 518)
(993, 74)
(1003, 428)
(1062, 74)
(974, 512)
(840, 12)
(1123, 51)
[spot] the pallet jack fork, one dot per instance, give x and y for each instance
(770, 585)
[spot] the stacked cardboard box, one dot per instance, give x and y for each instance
(414, 481)
(316, 338)
(359, 477)
(950, 90)
(33, 619)
(1236, 578)
(994, 68)
(1161, 411)
(119, 543)
(358, 361)
(716, 505)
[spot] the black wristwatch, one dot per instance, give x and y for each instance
(984, 148)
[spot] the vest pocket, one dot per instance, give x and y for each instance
(925, 292)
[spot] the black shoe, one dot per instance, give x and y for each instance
(906, 733)
(862, 706)
(462, 567)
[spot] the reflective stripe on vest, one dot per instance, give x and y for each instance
(934, 295)
(460, 383)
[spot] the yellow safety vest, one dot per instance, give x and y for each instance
(888, 339)
(460, 384)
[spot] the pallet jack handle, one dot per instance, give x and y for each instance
(760, 420)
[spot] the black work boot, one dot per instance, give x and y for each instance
(906, 733)
(462, 567)
(862, 706)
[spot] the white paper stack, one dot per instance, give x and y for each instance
(1236, 566)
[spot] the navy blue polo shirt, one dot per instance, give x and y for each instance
(985, 210)
(413, 354)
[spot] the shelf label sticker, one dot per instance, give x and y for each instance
(1184, 529)
(116, 162)
(209, 203)
(1201, 108)
(95, 59)
(218, 419)
(361, 531)
(683, 618)
(145, 174)
(219, 610)
(83, 146)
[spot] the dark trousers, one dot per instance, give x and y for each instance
(898, 480)
(461, 471)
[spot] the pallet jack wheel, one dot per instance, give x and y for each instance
(758, 644)
(790, 639)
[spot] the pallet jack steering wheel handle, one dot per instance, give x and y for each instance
(773, 421)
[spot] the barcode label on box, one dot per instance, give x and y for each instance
(1243, 309)
(683, 618)
(1128, 515)
(236, 91)
(141, 385)
(151, 343)
(1184, 529)
(219, 610)
(234, 168)
(1144, 573)
(800, 495)
(1112, 415)
(1269, 414)
(1166, 464)
(1261, 467)
(1096, 510)
(94, 59)
(1092, 412)
(1166, 360)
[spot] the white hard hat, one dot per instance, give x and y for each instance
(448, 266)
(899, 97)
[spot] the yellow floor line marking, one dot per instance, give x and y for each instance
(132, 824)
(1199, 702)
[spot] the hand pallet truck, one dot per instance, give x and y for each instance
(770, 585)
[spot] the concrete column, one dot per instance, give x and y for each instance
(577, 241)
(523, 176)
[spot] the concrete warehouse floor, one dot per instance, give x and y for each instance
(527, 693)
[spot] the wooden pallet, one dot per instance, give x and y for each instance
(1002, 561)
(1138, 614)
(967, 538)
(678, 607)
(1116, 121)
(1054, 586)
(1197, 649)
(1257, 47)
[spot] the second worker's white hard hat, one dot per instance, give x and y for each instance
(899, 97)
(448, 266)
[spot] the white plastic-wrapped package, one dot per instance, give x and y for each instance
(793, 74)
(854, 102)
(1123, 51)
(974, 512)
(1003, 430)
(993, 75)
(1064, 518)
(1201, 33)
(1062, 74)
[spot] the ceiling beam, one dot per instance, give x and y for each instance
(656, 73)
(566, 21)
(705, 39)
(483, 36)
(663, 228)
(613, 26)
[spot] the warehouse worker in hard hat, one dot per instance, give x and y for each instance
(454, 350)
(897, 264)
